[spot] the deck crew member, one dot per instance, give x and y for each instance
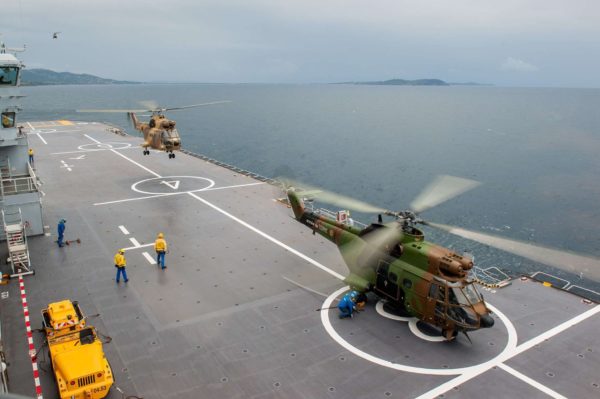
(348, 304)
(31, 156)
(61, 232)
(160, 246)
(120, 264)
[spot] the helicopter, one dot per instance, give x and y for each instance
(160, 132)
(415, 277)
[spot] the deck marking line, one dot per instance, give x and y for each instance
(531, 382)
(41, 131)
(174, 184)
(182, 192)
(135, 242)
(32, 351)
(30, 126)
(124, 230)
(445, 387)
(92, 150)
(123, 156)
(265, 235)
(41, 138)
(268, 237)
(138, 246)
(149, 258)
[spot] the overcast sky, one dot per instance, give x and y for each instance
(504, 42)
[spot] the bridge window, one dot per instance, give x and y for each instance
(8, 76)
(8, 119)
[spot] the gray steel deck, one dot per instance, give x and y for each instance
(222, 322)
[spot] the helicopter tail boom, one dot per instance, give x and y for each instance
(134, 120)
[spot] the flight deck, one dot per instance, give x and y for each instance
(235, 314)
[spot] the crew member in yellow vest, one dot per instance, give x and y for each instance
(31, 156)
(160, 246)
(120, 264)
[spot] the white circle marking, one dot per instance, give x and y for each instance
(511, 344)
(211, 183)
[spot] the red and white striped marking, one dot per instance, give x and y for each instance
(32, 354)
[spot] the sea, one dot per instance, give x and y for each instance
(535, 151)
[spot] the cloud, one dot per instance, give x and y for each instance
(515, 64)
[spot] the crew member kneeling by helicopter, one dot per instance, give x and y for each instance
(348, 304)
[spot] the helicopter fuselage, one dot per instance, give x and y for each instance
(419, 278)
(159, 133)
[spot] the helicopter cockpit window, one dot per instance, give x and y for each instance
(8, 119)
(152, 123)
(8, 76)
(393, 277)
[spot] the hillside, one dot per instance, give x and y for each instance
(38, 77)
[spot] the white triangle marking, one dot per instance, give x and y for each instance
(174, 184)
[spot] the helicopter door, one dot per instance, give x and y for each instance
(387, 282)
(436, 301)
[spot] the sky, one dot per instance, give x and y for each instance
(547, 43)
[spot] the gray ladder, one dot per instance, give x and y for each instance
(16, 239)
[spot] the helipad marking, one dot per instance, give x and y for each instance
(135, 242)
(79, 157)
(181, 192)
(173, 184)
(149, 258)
(379, 308)
(170, 183)
(124, 230)
(414, 328)
(249, 226)
(510, 344)
(461, 379)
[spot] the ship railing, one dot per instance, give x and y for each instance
(17, 185)
(491, 277)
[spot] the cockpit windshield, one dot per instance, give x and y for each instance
(8, 75)
(466, 295)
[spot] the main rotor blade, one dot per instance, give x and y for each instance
(114, 110)
(150, 105)
(440, 190)
(197, 105)
(333, 198)
(588, 266)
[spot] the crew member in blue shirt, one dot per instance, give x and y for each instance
(348, 304)
(61, 232)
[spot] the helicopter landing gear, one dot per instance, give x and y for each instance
(146, 152)
(171, 155)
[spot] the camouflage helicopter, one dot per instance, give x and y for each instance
(415, 277)
(159, 133)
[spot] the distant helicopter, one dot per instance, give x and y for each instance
(159, 133)
(55, 35)
(415, 277)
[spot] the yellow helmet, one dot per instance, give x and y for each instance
(160, 235)
(121, 251)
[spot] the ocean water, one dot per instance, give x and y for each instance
(535, 151)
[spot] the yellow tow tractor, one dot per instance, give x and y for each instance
(80, 366)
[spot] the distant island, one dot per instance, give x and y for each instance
(40, 77)
(416, 82)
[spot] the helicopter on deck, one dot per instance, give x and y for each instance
(160, 132)
(415, 277)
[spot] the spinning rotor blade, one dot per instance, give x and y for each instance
(196, 105)
(114, 110)
(442, 189)
(333, 198)
(150, 105)
(590, 267)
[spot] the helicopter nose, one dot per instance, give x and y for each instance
(486, 321)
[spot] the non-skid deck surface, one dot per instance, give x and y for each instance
(222, 321)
